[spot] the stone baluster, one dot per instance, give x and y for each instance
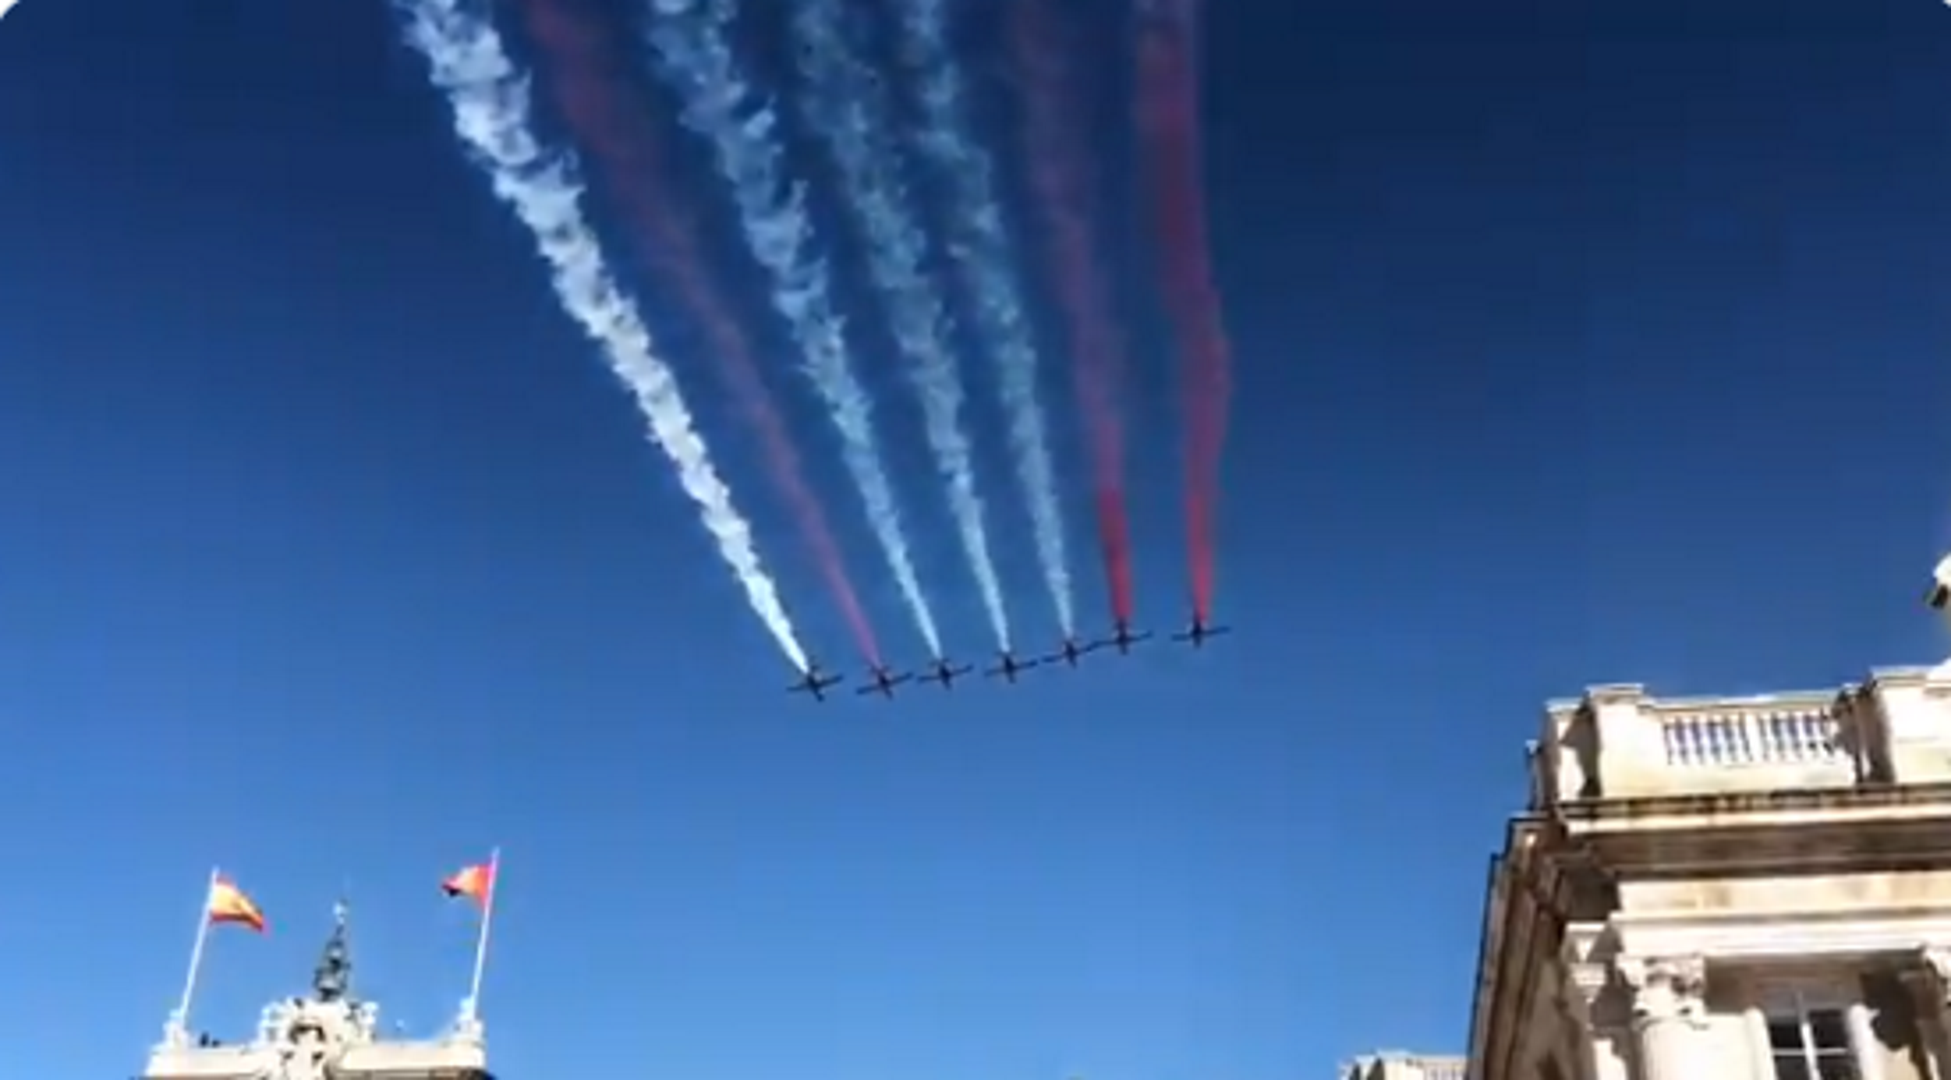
(1669, 1012)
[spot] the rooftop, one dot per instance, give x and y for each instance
(1401, 1065)
(329, 1033)
(1619, 742)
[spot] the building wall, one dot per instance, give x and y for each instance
(1696, 878)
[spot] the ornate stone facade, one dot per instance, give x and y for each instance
(1748, 888)
(329, 1035)
(1396, 1065)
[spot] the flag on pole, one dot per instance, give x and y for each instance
(475, 882)
(229, 904)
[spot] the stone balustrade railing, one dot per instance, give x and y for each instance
(1621, 742)
(1766, 736)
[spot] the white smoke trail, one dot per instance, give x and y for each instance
(692, 41)
(851, 112)
(980, 246)
(490, 99)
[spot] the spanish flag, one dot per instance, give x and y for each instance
(228, 904)
(475, 882)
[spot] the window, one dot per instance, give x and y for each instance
(1811, 1044)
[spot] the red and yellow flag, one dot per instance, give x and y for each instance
(475, 882)
(228, 904)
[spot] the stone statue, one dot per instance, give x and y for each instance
(332, 979)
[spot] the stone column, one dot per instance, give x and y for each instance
(1579, 986)
(1761, 1052)
(1669, 1011)
(1863, 1043)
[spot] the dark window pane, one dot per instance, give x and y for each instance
(1790, 1067)
(1828, 1030)
(1785, 1033)
(1836, 1068)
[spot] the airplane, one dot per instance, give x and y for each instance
(814, 683)
(884, 681)
(1070, 652)
(1199, 632)
(1123, 638)
(945, 674)
(1010, 665)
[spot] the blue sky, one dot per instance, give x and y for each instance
(1571, 349)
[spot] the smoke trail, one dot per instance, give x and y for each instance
(1168, 115)
(692, 42)
(848, 107)
(588, 87)
(981, 248)
(490, 99)
(1052, 132)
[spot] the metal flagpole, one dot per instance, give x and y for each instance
(177, 1032)
(487, 925)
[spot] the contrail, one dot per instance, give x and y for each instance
(490, 99)
(693, 46)
(1168, 118)
(847, 105)
(981, 249)
(1052, 133)
(589, 81)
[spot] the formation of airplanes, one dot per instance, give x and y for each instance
(881, 680)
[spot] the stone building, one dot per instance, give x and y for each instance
(1752, 888)
(1398, 1065)
(330, 1035)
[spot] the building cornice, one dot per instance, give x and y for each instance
(1697, 807)
(1856, 931)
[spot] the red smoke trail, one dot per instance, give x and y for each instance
(1168, 118)
(589, 87)
(1052, 132)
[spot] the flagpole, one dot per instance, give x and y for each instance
(177, 1031)
(481, 941)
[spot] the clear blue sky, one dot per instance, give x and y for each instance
(1570, 350)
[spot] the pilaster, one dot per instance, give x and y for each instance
(1590, 1002)
(1669, 1012)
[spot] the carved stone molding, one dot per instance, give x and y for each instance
(1938, 959)
(1585, 972)
(1665, 988)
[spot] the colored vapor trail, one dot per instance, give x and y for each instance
(981, 248)
(1052, 132)
(491, 106)
(1168, 120)
(692, 41)
(851, 113)
(590, 87)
